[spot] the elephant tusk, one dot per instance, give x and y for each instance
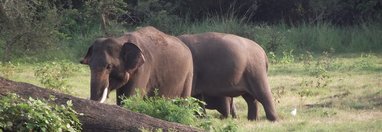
(104, 95)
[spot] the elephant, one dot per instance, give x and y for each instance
(224, 105)
(227, 65)
(146, 59)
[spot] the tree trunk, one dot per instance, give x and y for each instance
(7, 52)
(96, 116)
(4, 21)
(104, 24)
(103, 17)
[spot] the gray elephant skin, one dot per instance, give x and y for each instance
(227, 65)
(224, 105)
(147, 59)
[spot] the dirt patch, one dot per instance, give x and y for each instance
(96, 116)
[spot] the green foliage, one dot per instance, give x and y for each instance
(178, 110)
(54, 75)
(269, 11)
(319, 70)
(273, 39)
(272, 57)
(230, 127)
(181, 110)
(159, 13)
(106, 10)
(345, 12)
(318, 66)
(287, 57)
(278, 93)
(8, 69)
(208, 124)
(365, 61)
(325, 37)
(19, 114)
(27, 27)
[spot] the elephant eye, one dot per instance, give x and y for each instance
(108, 66)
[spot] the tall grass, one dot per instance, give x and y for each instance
(281, 37)
(324, 36)
(277, 38)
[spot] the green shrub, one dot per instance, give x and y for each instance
(7, 69)
(54, 75)
(287, 57)
(28, 27)
(319, 69)
(320, 66)
(217, 126)
(230, 127)
(180, 110)
(17, 114)
(365, 61)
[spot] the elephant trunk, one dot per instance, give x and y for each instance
(99, 87)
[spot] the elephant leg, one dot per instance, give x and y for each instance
(252, 106)
(268, 108)
(232, 108)
(187, 88)
(224, 107)
(123, 92)
(264, 96)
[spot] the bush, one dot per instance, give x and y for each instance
(286, 58)
(7, 69)
(17, 114)
(27, 27)
(54, 75)
(180, 110)
(364, 62)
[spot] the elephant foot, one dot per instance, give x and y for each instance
(234, 116)
(223, 117)
(252, 117)
(272, 118)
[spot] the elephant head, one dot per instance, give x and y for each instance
(112, 63)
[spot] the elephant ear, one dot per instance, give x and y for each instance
(132, 56)
(86, 59)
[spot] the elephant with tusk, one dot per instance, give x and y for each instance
(146, 59)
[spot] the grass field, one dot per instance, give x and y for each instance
(341, 92)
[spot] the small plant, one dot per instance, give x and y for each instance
(328, 113)
(278, 92)
(7, 69)
(320, 72)
(230, 127)
(180, 110)
(275, 39)
(365, 61)
(272, 57)
(311, 87)
(54, 75)
(19, 114)
(206, 124)
(325, 61)
(287, 57)
(307, 60)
